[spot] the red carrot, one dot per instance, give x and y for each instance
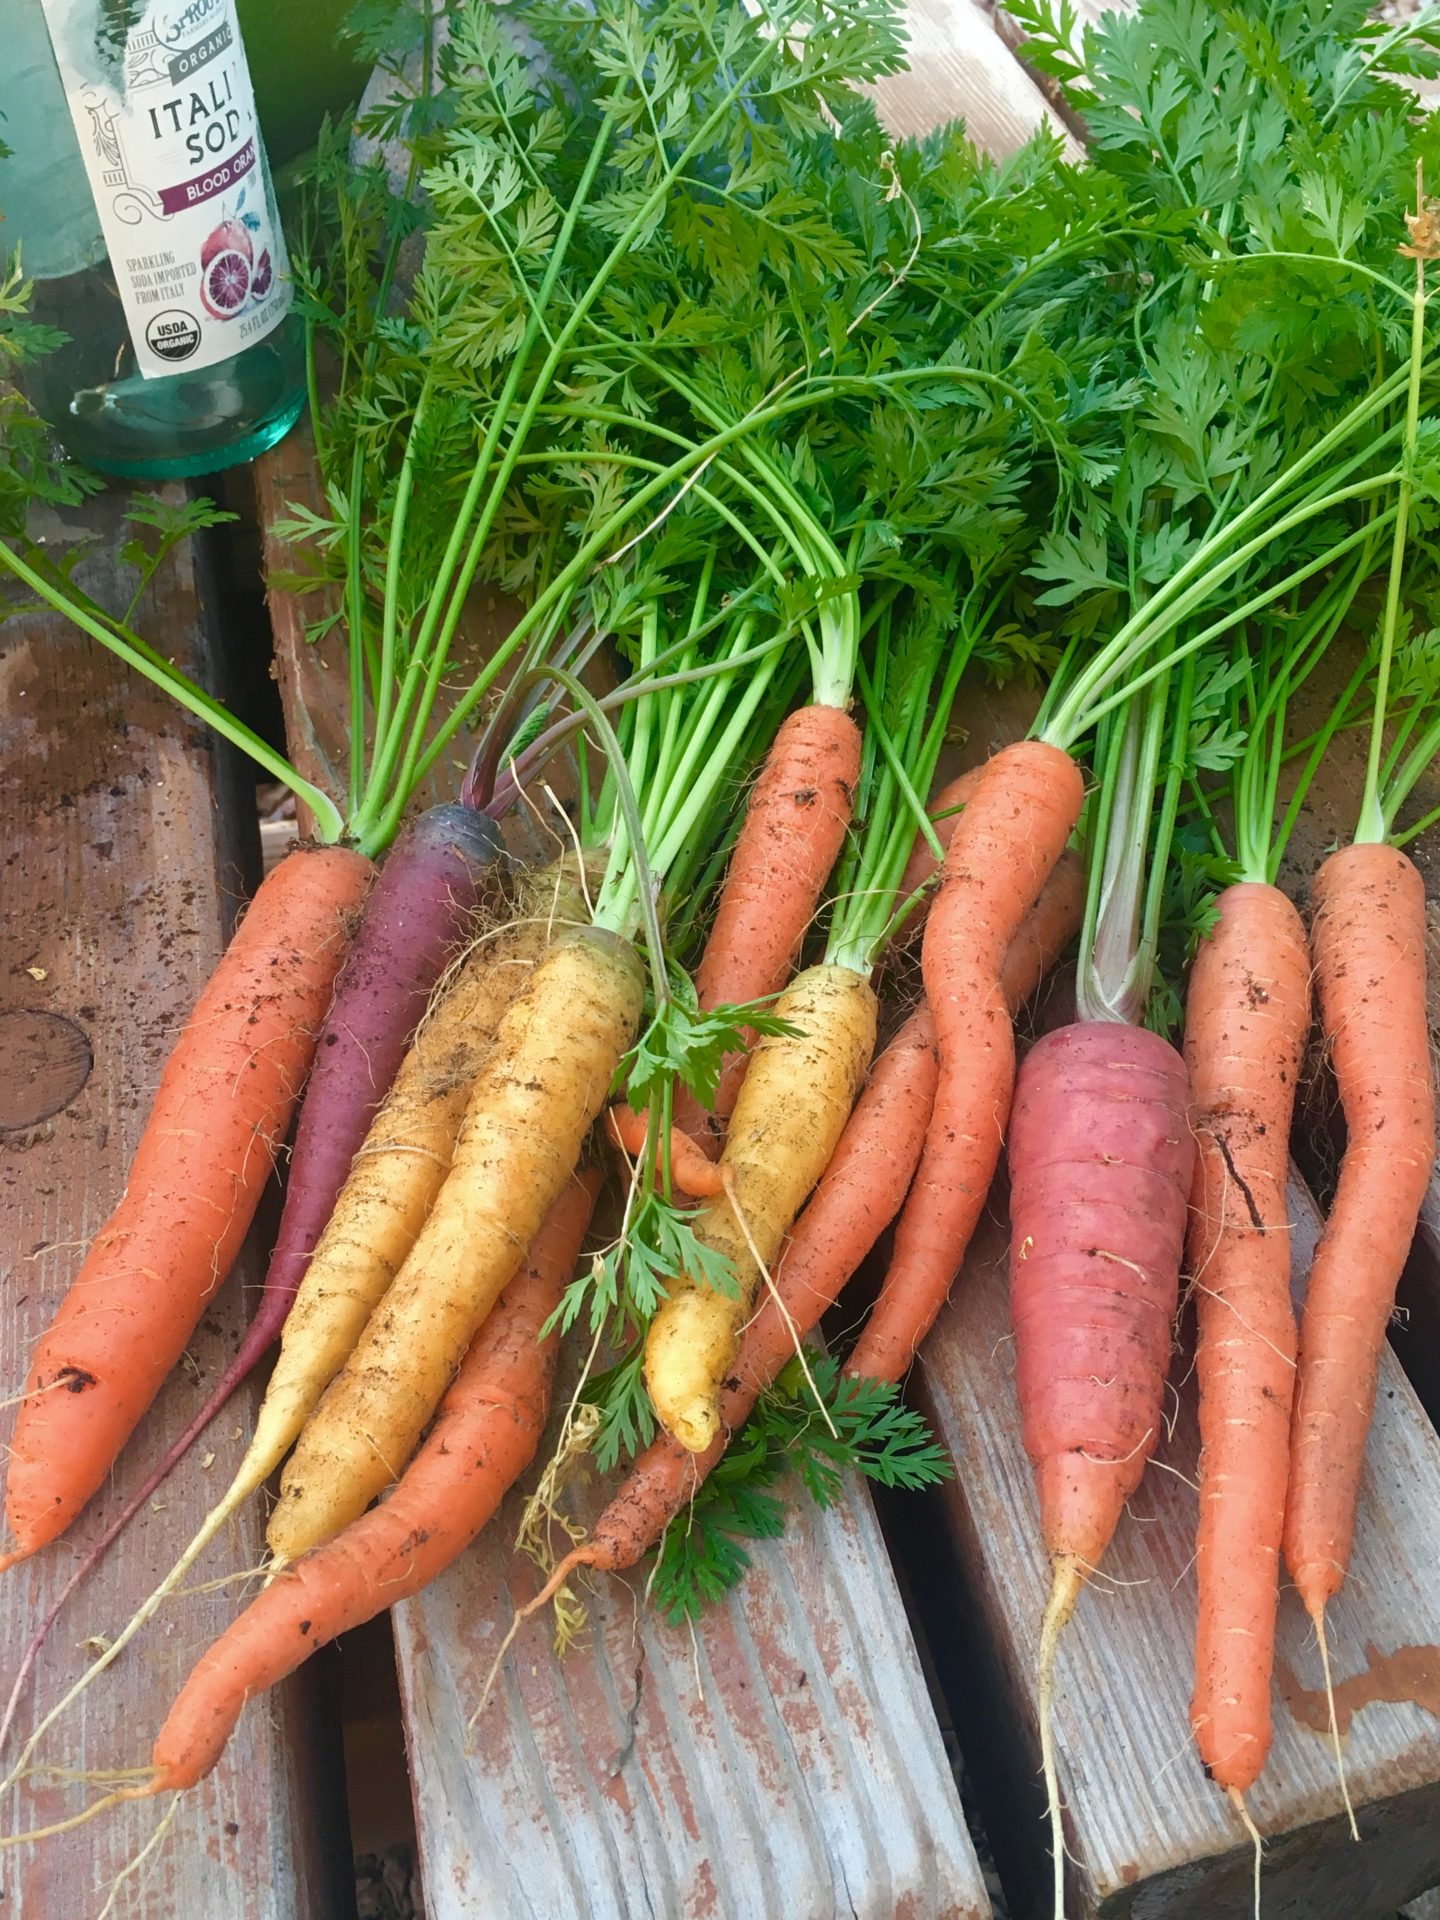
(485, 1435)
(1101, 1160)
(1102, 1155)
(222, 1109)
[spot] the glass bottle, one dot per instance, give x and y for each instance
(139, 196)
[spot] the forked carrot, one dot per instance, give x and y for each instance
(485, 1435)
(794, 828)
(220, 1113)
(1246, 1017)
(1006, 843)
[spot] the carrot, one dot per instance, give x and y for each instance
(1102, 1155)
(220, 1113)
(1368, 944)
(1009, 838)
(412, 917)
(403, 1165)
(691, 1168)
(793, 1105)
(1246, 1016)
(556, 1052)
(485, 1435)
(794, 828)
(944, 809)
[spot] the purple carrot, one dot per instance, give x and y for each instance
(413, 919)
(417, 910)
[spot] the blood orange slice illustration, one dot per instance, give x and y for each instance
(262, 276)
(229, 237)
(224, 284)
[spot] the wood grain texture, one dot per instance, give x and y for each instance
(1148, 1835)
(960, 68)
(120, 883)
(783, 1763)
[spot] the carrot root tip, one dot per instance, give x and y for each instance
(1237, 1800)
(1318, 1616)
(581, 1556)
(1065, 1588)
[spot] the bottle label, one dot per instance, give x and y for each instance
(165, 116)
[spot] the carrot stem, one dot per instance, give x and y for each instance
(329, 826)
(1373, 825)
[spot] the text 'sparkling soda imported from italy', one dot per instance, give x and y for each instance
(138, 193)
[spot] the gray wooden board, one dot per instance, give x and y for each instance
(120, 882)
(781, 1763)
(1148, 1835)
(961, 69)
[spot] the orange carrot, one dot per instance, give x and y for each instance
(1368, 944)
(1006, 843)
(220, 1114)
(1246, 1016)
(944, 810)
(485, 1435)
(691, 1168)
(1046, 931)
(794, 828)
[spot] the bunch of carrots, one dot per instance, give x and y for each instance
(801, 430)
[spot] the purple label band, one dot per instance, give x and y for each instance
(205, 186)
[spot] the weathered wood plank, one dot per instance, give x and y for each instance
(960, 67)
(1148, 1835)
(121, 881)
(782, 1763)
